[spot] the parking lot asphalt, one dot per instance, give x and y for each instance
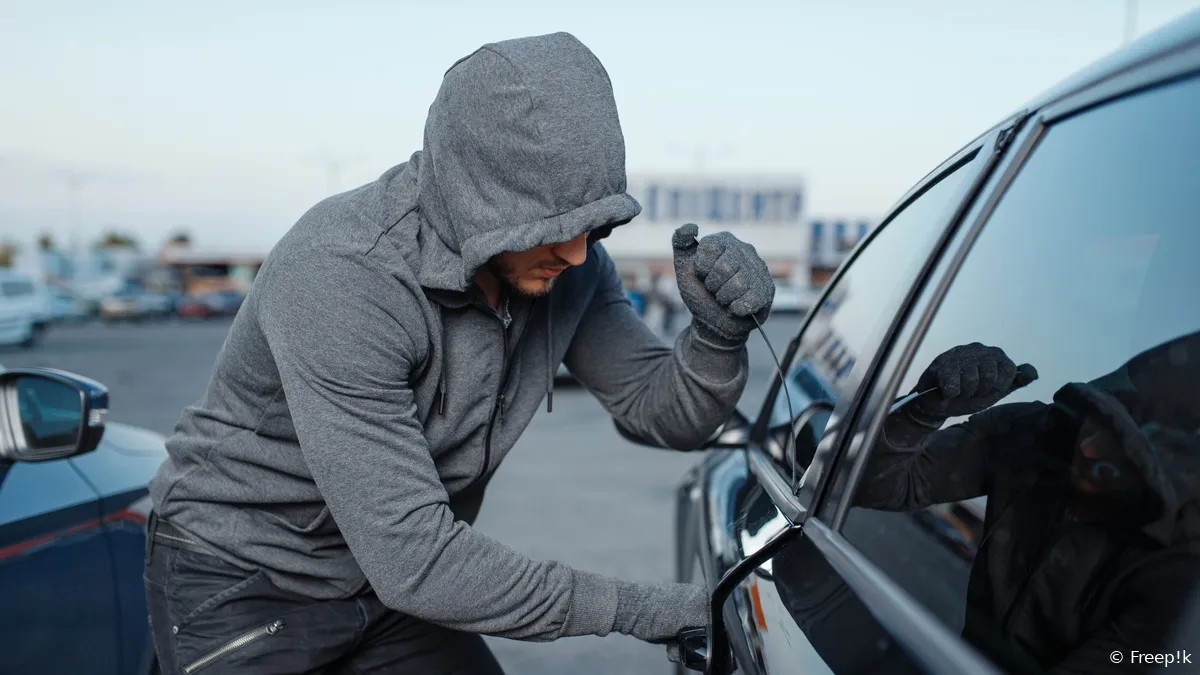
(571, 490)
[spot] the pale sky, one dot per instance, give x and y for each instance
(217, 116)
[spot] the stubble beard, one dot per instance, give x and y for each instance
(510, 285)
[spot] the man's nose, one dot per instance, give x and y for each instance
(574, 251)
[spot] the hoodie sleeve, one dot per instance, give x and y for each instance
(674, 397)
(337, 332)
(913, 466)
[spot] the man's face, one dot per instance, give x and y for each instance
(533, 272)
(1100, 470)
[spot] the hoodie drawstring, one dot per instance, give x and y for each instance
(441, 390)
(550, 369)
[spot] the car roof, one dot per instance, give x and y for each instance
(1180, 33)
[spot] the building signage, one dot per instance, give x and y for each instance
(719, 201)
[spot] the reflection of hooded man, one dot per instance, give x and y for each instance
(1063, 577)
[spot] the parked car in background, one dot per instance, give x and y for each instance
(791, 298)
(122, 304)
(21, 309)
(193, 307)
(155, 304)
(227, 303)
(73, 507)
(1067, 237)
(63, 306)
(209, 305)
(133, 302)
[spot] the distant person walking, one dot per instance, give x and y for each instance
(314, 515)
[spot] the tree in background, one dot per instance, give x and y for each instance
(114, 239)
(8, 251)
(46, 242)
(181, 238)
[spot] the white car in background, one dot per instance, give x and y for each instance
(791, 298)
(21, 308)
(60, 305)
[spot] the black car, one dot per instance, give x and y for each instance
(1068, 237)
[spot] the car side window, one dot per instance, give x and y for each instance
(854, 314)
(1040, 492)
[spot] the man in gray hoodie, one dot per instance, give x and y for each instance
(315, 512)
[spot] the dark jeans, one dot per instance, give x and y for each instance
(207, 616)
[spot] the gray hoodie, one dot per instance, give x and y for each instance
(367, 390)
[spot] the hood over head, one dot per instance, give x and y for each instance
(523, 147)
(1152, 406)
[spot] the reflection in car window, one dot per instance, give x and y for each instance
(1044, 496)
(865, 295)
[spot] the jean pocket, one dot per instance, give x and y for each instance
(201, 583)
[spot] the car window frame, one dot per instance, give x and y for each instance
(796, 507)
(992, 152)
(960, 159)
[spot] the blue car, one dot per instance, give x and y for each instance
(73, 507)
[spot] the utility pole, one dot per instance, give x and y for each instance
(334, 165)
(75, 182)
(1131, 16)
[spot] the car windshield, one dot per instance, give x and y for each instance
(16, 289)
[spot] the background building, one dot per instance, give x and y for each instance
(768, 212)
(204, 270)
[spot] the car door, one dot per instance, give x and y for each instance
(824, 367)
(1010, 537)
(58, 613)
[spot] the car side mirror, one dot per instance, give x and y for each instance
(49, 414)
(693, 648)
(735, 433)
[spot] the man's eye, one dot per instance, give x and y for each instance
(1105, 470)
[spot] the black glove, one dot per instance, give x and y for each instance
(967, 379)
(724, 283)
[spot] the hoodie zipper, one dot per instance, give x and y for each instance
(498, 408)
(1060, 528)
(234, 645)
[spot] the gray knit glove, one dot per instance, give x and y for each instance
(724, 283)
(657, 612)
(967, 379)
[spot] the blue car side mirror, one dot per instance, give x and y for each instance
(49, 414)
